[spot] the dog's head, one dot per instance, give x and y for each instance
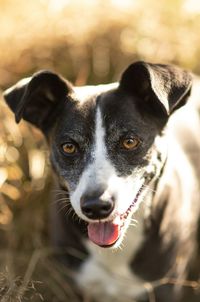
(106, 142)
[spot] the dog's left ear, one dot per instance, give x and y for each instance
(38, 98)
(160, 88)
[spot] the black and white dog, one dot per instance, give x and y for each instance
(124, 154)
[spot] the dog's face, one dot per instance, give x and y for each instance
(106, 142)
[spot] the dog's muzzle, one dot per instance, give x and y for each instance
(105, 233)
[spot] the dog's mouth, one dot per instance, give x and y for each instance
(107, 233)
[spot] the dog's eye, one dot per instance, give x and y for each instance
(69, 148)
(130, 143)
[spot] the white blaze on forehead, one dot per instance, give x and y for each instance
(100, 155)
(94, 175)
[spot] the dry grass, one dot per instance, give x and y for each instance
(92, 40)
(88, 41)
(28, 271)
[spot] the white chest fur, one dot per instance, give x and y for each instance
(106, 273)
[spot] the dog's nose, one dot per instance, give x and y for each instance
(96, 208)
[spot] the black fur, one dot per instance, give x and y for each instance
(140, 106)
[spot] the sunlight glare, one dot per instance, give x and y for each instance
(191, 6)
(125, 4)
(36, 163)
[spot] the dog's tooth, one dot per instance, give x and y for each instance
(117, 220)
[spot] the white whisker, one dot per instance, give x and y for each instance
(69, 211)
(63, 199)
(62, 208)
(149, 189)
(134, 220)
(60, 191)
(133, 224)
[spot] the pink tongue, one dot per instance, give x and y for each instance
(103, 233)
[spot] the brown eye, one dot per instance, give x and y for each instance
(130, 143)
(69, 148)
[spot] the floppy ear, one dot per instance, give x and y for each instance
(159, 88)
(38, 99)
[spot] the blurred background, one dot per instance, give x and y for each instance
(87, 41)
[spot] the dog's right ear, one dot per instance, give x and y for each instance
(38, 98)
(160, 89)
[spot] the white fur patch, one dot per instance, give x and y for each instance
(106, 274)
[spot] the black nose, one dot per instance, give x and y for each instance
(96, 208)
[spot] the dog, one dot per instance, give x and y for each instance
(126, 160)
